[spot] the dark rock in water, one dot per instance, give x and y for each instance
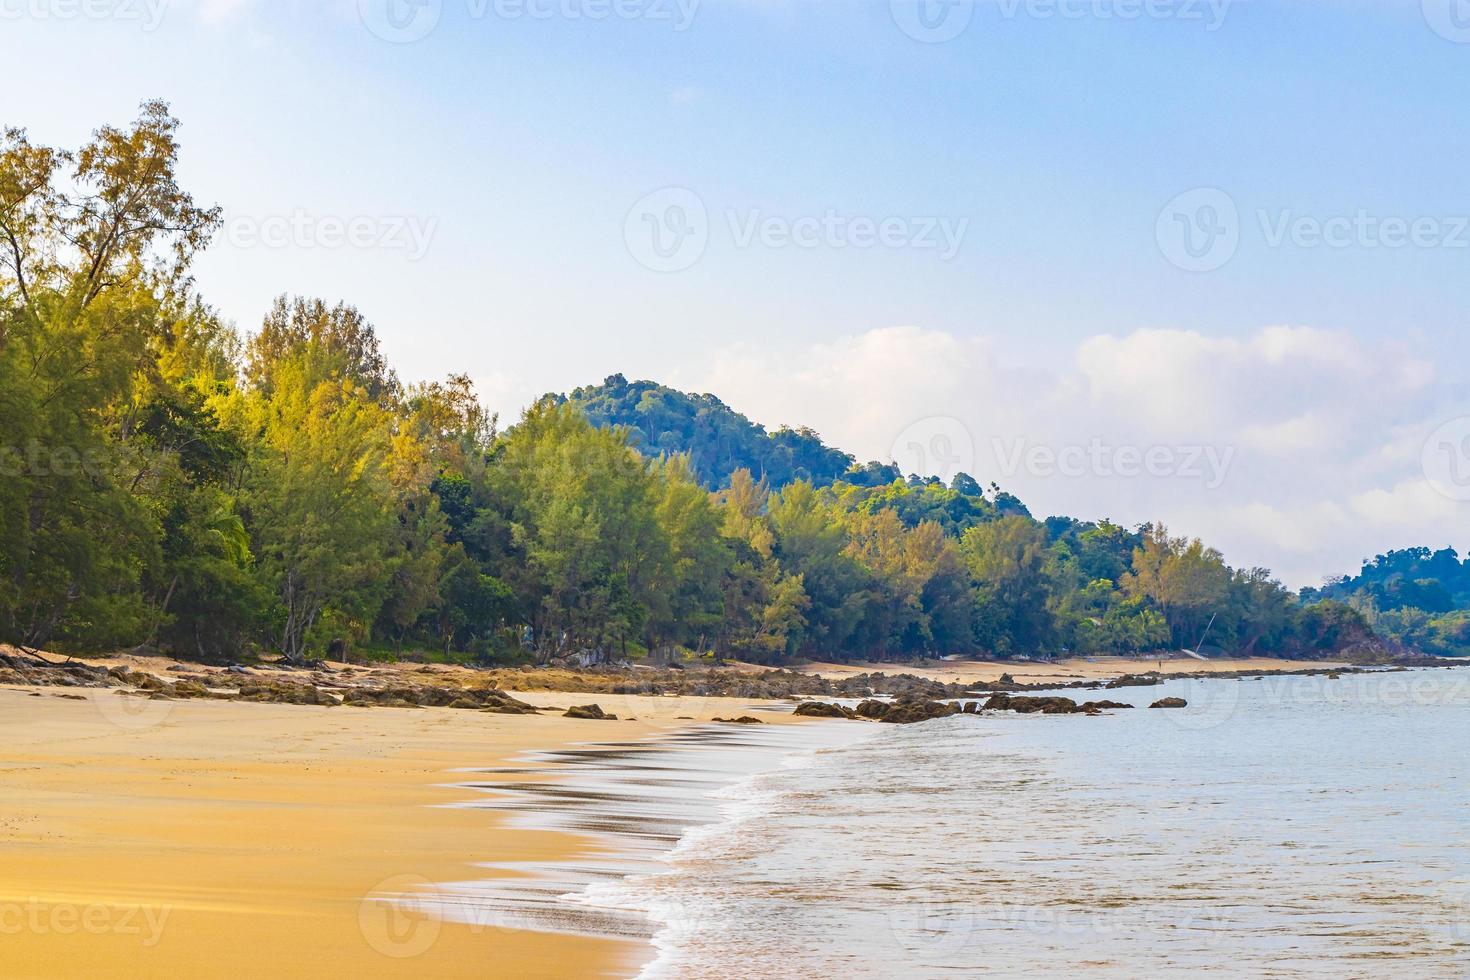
(1031, 705)
(873, 708)
(742, 720)
(1170, 703)
(911, 712)
(1104, 705)
(821, 709)
(590, 712)
(1334, 677)
(971, 707)
(1133, 680)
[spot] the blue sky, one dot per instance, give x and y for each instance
(495, 167)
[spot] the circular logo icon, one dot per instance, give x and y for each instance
(396, 917)
(1212, 703)
(1446, 458)
(668, 230)
(924, 927)
(1199, 230)
(400, 21)
(932, 21)
(935, 446)
(1450, 19)
(133, 712)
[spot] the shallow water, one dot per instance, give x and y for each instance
(1282, 827)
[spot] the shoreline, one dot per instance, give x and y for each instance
(198, 838)
(194, 836)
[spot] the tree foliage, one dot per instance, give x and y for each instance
(167, 482)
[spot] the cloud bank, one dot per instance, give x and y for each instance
(1300, 449)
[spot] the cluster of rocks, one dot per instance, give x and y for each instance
(34, 672)
(240, 684)
(910, 712)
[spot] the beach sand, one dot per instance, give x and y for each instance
(213, 839)
(1061, 671)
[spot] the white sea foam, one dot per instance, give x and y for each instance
(1314, 832)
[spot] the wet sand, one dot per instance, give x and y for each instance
(214, 839)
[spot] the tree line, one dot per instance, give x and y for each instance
(1413, 596)
(169, 482)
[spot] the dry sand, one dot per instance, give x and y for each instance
(213, 839)
(1061, 671)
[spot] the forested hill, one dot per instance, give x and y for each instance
(1416, 596)
(167, 482)
(717, 439)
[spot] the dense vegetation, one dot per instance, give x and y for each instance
(170, 483)
(1417, 597)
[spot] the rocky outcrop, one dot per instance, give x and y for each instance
(742, 720)
(1031, 705)
(1133, 680)
(1170, 703)
(590, 712)
(821, 709)
(913, 712)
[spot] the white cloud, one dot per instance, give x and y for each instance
(219, 11)
(1291, 447)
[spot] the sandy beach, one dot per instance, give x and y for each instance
(1060, 671)
(209, 838)
(213, 839)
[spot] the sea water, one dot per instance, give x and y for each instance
(1283, 826)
